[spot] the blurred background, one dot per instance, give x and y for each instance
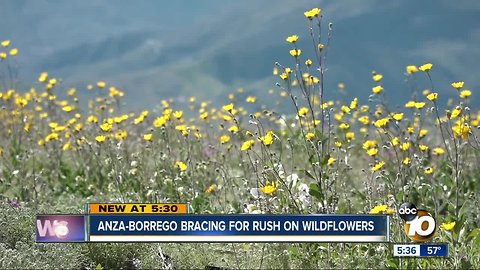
(154, 50)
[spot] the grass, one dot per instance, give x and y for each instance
(301, 153)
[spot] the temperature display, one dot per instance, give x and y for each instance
(423, 250)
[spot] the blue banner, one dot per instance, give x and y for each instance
(224, 228)
(434, 250)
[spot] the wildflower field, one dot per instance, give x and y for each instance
(303, 153)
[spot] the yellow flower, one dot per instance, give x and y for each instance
(178, 114)
(251, 99)
(51, 136)
(106, 127)
(377, 77)
(3, 55)
(411, 69)
(378, 166)
(448, 226)
(314, 12)
(405, 146)
(100, 138)
(5, 43)
(308, 62)
(429, 170)
(410, 104)
(267, 139)
(295, 52)
(66, 146)
(379, 209)
(465, 93)
(302, 112)
(160, 121)
(382, 122)
(354, 103)
(43, 77)
(438, 151)
(364, 120)
(269, 188)
(420, 105)
(181, 166)
(292, 39)
(345, 109)
(228, 107)
(247, 145)
(68, 108)
(350, 136)
(432, 96)
(21, 102)
(92, 119)
(458, 85)
(233, 129)
(377, 89)
(398, 116)
(310, 136)
(423, 147)
(211, 188)
(344, 126)
(422, 133)
(204, 115)
(121, 135)
(425, 67)
(372, 152)
(14, 52)
(330, 161)
(338, 144)
(148, 137)
(395, 141)
(456, 112)
(461, 129)
(198, 135)
(101, 84)
(224, 139)
(369, 144)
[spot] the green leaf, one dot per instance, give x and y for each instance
(391, 263)
(475, 233)
(315, 191)
(309, 174)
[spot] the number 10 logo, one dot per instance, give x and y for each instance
(419, 224)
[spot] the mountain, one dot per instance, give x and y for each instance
(173, 49)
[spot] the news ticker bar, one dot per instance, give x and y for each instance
(137, 208)
(420, 250)
(212, 228)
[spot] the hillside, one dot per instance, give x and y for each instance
(155, 50)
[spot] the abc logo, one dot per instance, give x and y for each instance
(419, 224)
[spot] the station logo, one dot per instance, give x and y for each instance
(419, 224)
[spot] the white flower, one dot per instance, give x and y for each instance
(292, 179)
(133, 171)
(134, 163)
(303, 189)
(255, 192)
(281, 171)
(250, 208)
